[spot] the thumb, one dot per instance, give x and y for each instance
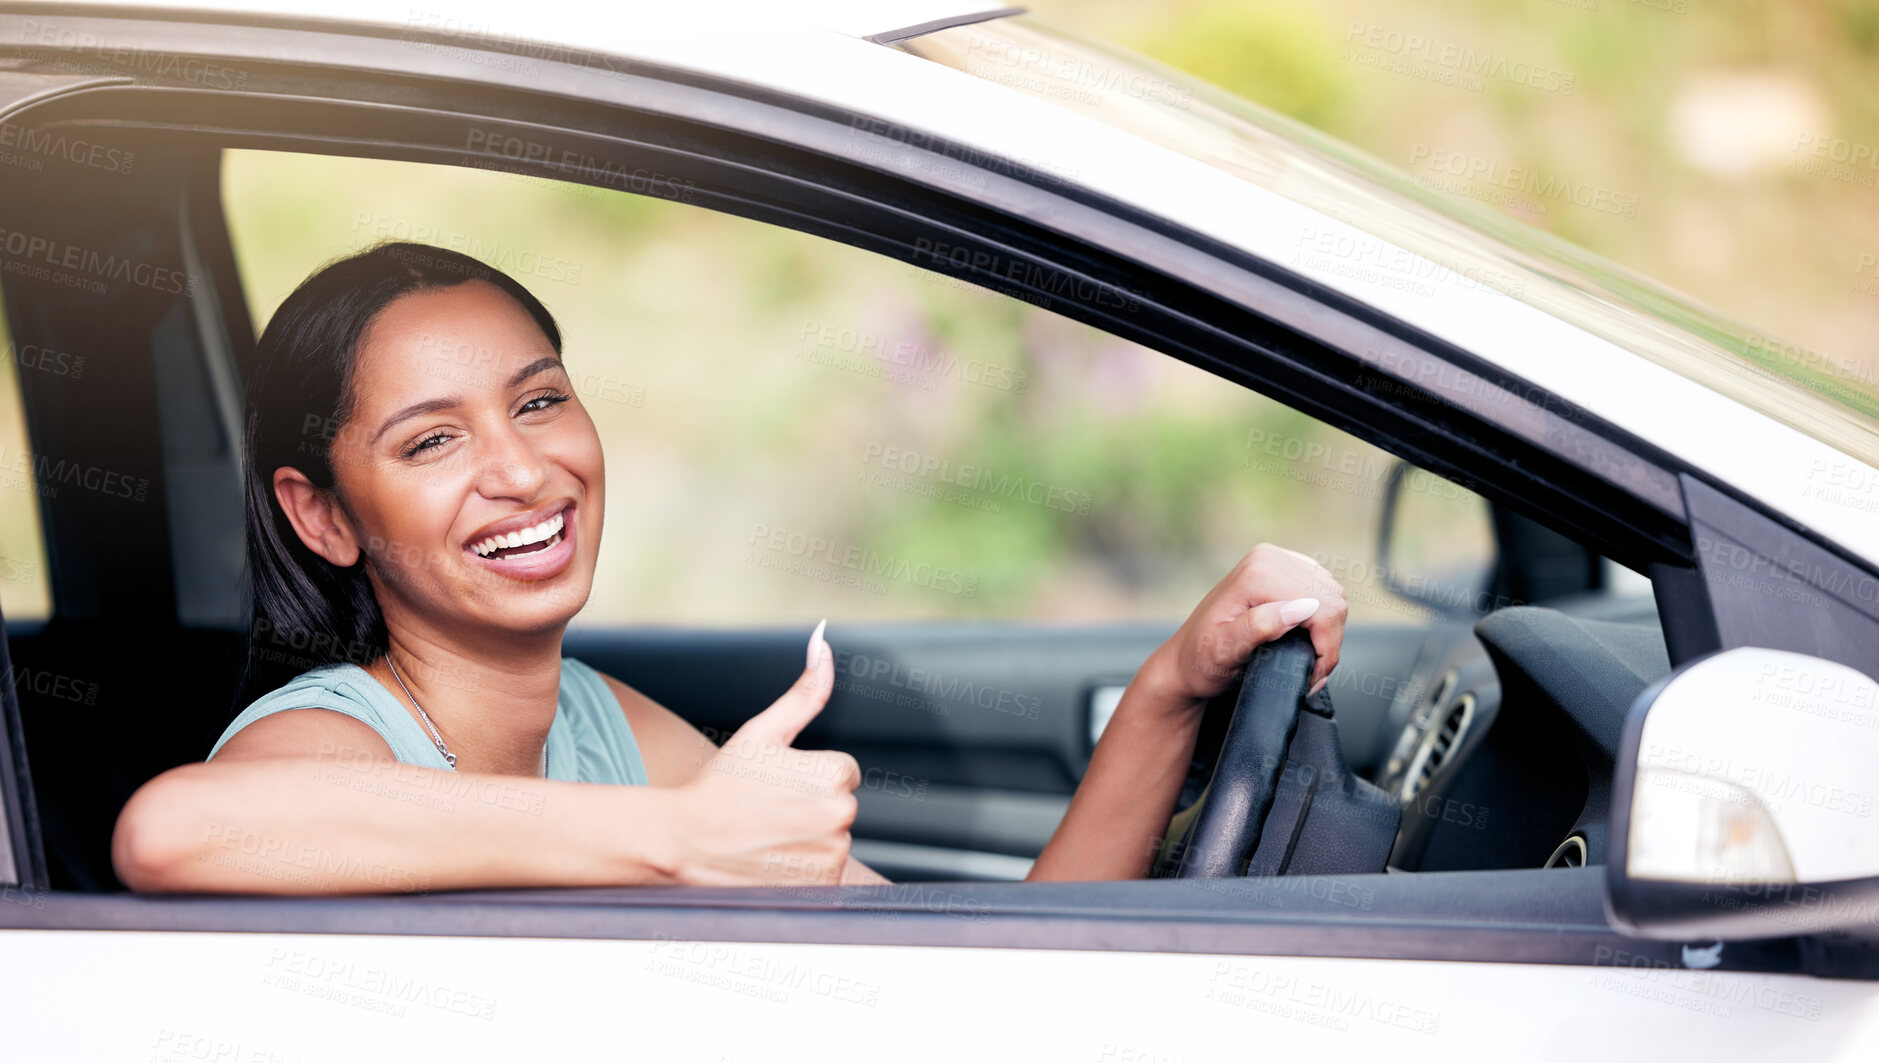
(802, 702)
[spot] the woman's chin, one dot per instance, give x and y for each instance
(537, 605)
(525, 618)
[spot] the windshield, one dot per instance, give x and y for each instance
(1834, 400)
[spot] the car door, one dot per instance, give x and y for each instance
(1416, 963)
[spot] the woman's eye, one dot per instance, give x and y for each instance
(543, 402)
(429, 442)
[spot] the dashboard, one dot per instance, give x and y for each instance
(1503, 748)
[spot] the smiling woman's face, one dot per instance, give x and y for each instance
(471, 472)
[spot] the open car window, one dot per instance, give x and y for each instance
(1000, 509)
(795, 427)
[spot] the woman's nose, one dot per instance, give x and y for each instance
(511, 469)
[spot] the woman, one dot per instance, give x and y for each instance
(424, 496)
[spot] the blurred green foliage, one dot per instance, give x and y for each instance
(1774, 246)
(1266, 52)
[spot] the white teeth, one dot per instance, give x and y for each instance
(545, 530)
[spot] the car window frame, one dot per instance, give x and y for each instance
(1195, 296)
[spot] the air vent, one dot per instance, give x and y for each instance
(1438, 743)
(1408, 744)
(1448, 734)
(1444, 688)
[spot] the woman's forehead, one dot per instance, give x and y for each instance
(472, 334)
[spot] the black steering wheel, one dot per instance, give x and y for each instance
(1232, 811)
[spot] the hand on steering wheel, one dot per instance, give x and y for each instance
(1271, 590)
(1276, 614)
(1232, 811)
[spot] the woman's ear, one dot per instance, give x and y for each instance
(317, 517)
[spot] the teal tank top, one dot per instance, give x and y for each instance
(588, 741)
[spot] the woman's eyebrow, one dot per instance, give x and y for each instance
(536, 366)
(416, 409)
(419, 409)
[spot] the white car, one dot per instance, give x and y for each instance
(1599, 777)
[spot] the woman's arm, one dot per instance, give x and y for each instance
(1117, 817)
(311, 801)
(350, 819)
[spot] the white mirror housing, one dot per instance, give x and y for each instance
(1744, 801)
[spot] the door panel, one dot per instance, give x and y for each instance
(321, 997)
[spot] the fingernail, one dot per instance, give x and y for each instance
(815, 639)
(1297, 610)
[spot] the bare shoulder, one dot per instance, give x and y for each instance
(303, 733)
(673, 749)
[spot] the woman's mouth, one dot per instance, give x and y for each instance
(535, 552)
(531, 540)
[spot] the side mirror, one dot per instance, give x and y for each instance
(1435, 542)
(1743, 803)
